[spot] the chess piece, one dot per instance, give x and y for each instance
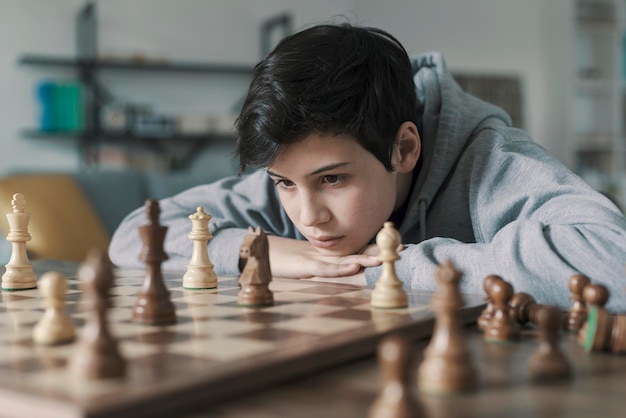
(487, 313)
(55, 327)
(256, 275)
(523, 308)
(501, 328)
(153, 305)
(388, 291)
(395, 399)
(19, 273)
(447, 366)
(548, 361)
(605, 331)
(594, 295)
(200, 273)
(96, 355)
(577, 313)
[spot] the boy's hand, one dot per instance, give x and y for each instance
(298, 259)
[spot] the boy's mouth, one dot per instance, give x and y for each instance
(325, 241)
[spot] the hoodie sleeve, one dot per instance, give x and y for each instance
(234, 204)
(535, 224)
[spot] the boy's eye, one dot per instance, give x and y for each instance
(332, 179)
(283, 183)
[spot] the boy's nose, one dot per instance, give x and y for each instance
(313, 211)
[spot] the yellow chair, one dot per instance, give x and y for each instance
(63, 223)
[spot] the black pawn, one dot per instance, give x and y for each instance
(97, 355)
(396, 396)
(501, 328)
(548, 362)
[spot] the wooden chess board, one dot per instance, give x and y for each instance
(215, 350)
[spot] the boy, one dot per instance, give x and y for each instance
(350, 133)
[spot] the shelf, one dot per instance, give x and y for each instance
(599, 86)
(177, 151)
(174, 66)
(106, 137)
(594, 149)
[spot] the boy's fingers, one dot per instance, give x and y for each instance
(334, 270)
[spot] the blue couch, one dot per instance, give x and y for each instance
(61, 225)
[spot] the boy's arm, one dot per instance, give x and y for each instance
(234, 204)
(535, 225)
(298, 259)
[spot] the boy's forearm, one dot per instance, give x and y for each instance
(298, 259)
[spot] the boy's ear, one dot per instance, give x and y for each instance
(408, 147)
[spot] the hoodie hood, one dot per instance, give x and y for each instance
(450, 119)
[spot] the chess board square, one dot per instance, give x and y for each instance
(234, 304)
(161, 336)
(13, 302)
(208, 311)
(320, 325)
(356, 314)
(123, 329)
(229, 291)
(21, 318)
(216, 327)
(165, 363)
(128, 272)
(361, 293)
(16, 332)
(131, 350)
(341, 301)
(327, 290)
(284, 285)
(40, 357)
(12, 297)
(10, 354)
(7, 295)
(406, 313)
(73, 298)
(123, 301)
(296, 296)
(213, 298)
(23, 365)
(119, 314)
(259, 317)
(200, 297)
(222, 349)
(123, 290)
(71, 387)
(282, 336)
(300, 309)
(227, 282)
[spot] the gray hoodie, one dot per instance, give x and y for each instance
(487, 197)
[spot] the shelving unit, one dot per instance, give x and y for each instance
(88, 64)
(598, 109)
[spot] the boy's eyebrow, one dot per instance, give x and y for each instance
(317, 171)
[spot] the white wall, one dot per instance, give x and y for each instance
(496, 36)
(525, 38)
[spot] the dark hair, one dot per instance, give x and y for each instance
(328, 79)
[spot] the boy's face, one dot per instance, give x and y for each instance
(335, 192)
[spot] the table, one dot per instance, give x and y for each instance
(597, 388)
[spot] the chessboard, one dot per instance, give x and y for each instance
(216, 349)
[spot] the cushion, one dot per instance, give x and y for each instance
(63, 224)
(113, 194)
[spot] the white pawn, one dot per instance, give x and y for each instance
(19, 273)
(388, 292)
(55, 327)
(200, 274)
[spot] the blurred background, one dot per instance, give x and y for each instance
(154, 85)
